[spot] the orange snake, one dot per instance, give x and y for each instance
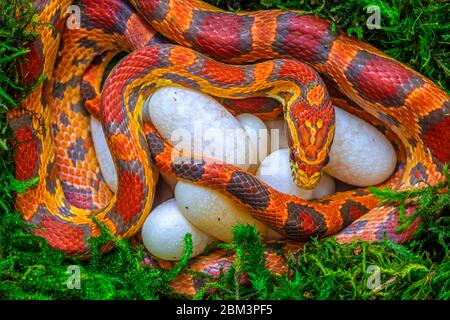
(53, 142)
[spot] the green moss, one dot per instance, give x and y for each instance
(30, 269)
(413, 31)
(329, 270)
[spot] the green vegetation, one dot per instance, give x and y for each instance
(413, 31)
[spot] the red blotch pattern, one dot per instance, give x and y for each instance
(149, 6)
(381, 79)
(104, 12)
(27, 148)
(355, 213)
(219, 35)
(437, 139)
(309, 226)
(130, 196)
(55, 230)
(31, 69)
(259, 105)
(306, 38)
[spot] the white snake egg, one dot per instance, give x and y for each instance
(164, 230)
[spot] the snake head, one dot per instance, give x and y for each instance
(310, 133)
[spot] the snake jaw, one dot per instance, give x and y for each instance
(306, 179)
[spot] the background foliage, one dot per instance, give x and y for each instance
(415, 32)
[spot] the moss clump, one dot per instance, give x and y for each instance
(413, 31)
(30, 269)
(329, 270)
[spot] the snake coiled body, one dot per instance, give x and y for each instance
(52, 133)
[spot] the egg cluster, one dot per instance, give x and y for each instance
(193, 122)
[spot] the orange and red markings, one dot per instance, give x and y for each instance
(219, 34)
(27, 148)
(303, 222)
(129, 198)
(221, 73)
(131, 68)
(251, 105)
(350, 211)
(110, 15)
(306, 37)
(298, 70)
(181, 57)
(436, 132)
(156, 9)
(32, 69)
(315, 95)
(122, 148)
(381, 80)
(54, 229)
(138, 32)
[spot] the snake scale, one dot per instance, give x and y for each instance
(180, 43)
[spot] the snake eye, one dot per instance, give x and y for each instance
(326, 161)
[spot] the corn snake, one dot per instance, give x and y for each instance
(71, 188)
